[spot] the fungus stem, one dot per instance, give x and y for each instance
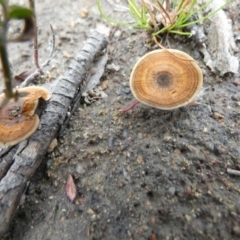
(133, 105)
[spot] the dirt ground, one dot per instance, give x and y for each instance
(147, 174)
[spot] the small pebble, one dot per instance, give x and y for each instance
(117, 34)
(124, 135)
(235, 153)
(103, 29)
(205, 130)
(111, 143)
(236, 230)
(126, 174)
(90, 211)
(172, 190)
(49, 163)
(126, 90)
(80, 169)
(104, 85)
(196, 54)
(113, 67)
(139, 160)
(53, 145)
(209, 146)
(118, 92)
(84, 13)
(235, 98)
(218, 116)
(236, 82)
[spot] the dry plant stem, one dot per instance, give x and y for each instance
(4, 55)
(35, 39)
(180, 6)
(166, 13)
(38, 72)
(152, 17)
(35, 47)
(161, 9)
(25, 162)
(161, 46)
(53, 44)
(5, 66)
(132, 106)
(158, 43)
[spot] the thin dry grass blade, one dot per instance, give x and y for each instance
(151, 14)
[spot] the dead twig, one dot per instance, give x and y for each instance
(35, 39)
(233, 172)
(35, 48)
(53, 43)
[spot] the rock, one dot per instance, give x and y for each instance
(172, 190)
(79, 169)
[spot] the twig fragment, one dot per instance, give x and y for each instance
(233, 172)
(35, 38)
(35, 49)
(53, 43)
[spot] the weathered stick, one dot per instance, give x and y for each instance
(233, 172)
(23, 162)
(219, 55)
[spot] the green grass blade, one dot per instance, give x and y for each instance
(202, 7)
(109, 19)
(162, 30)
(143, 15)
(208, 16)
(134, 10)
(139, 15)
(192, 6)
(198, 10)
(181, 33)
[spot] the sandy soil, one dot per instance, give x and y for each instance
(148, 174)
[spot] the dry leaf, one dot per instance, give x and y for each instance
(23, 75)
(96, 73)
(71, 189)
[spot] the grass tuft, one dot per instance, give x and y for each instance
(161, 16)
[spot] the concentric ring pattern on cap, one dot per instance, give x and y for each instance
(166, 79)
